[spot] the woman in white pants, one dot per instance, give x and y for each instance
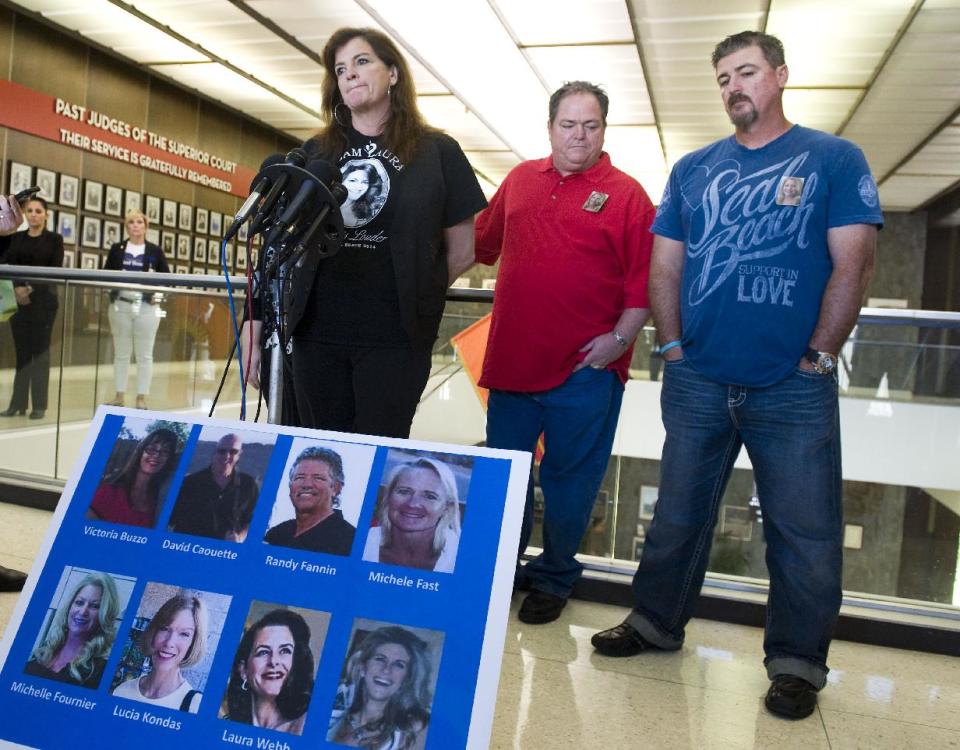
(134, 316)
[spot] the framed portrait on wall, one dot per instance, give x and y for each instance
(648, 501)
(228, 254)
(213, 252)
(186, 217)
(69, 190)
(51, 220)
(91, 232)
(131, 202)
(201, 217)
(152, 209)
(69, 258)
(168, 243)
(111, 233)
(216, 223)
(47, 182)
(183, 247)
(89, 261)
(182, 269)
(67, 227)
(241, 257)
(242, 233)
(199, 250)
(113, 204)
(153, 237)
(21, 177)
(93, 196)
(169, 213)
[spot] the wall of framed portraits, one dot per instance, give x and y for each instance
(88, 193)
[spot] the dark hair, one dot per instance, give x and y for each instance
(407, 710)
(295, 694)
(579, 87)
(36, 199)
(364, 206)
(770, 46)
(128, 472)
(405, 126)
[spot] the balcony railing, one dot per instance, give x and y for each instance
(900, 412)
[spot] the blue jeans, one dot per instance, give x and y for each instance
(791, 431)
(578, 420)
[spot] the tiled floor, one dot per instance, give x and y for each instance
(555, 693)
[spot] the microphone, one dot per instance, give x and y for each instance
(257, 189)
(320, 186)
(317, 169)
(296, 158)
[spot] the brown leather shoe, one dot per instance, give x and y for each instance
(11, 580)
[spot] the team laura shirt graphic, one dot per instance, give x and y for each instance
(368, 187)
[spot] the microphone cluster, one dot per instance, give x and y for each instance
(294, 203)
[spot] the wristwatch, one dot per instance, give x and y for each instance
(823, 362)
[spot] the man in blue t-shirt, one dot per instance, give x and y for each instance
(764, 246)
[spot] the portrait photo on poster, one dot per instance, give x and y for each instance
(385, 693)
(320, 496)
(219, 492)
(201, 218)
(420, 511)
(169, 650)
(274, 667)
(80, 627)
(138, 472)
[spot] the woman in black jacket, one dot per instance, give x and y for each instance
(32, 323)
(364, 321)
(134, 317)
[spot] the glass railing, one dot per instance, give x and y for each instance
(900, 412)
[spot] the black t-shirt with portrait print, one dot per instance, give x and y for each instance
(356, 291)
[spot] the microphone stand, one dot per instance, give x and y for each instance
(321, 232)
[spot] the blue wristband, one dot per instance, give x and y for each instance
(668, 346)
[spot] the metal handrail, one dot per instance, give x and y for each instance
(113, 279)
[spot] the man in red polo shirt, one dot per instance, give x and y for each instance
(571, 233)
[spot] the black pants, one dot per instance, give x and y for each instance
(359, 389)
(31, 340)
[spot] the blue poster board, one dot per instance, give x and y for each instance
(207, 583)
